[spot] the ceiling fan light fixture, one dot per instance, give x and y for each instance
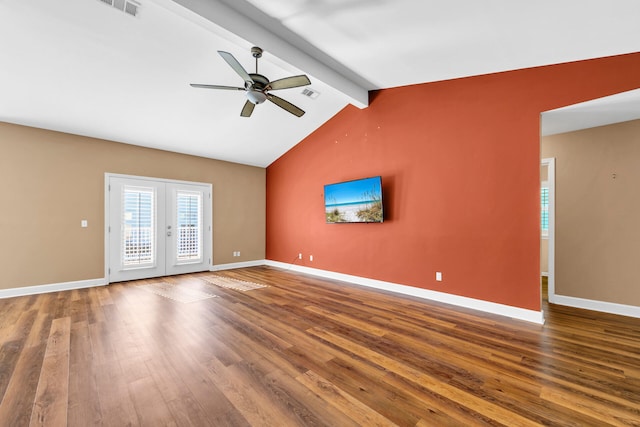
(256, 97)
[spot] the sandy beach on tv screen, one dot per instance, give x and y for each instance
(349, 212)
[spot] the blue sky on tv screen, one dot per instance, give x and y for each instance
(352, 191)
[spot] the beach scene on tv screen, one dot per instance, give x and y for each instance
(354, 201)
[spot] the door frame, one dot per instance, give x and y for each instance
(550, 163)
(208, 244)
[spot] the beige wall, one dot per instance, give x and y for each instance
(544, 255)
(597, 212)
(51, 181)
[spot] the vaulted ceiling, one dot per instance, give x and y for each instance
(85, 67)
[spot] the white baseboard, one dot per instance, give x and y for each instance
(53, 287)
(544, 273)
(233, 265)
(588, 304)
(486, 306)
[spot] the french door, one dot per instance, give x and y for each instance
(156, 227)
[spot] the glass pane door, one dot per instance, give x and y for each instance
(187, 208)
(157, 228)
(136, 221)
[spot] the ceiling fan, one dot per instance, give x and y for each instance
(258, 87)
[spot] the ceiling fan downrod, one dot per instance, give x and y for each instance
(257, 53)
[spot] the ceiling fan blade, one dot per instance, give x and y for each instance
(286, 105)
(289, 82)
(233, 62)
(216, 87)
(247, 109)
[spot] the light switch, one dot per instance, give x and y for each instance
(83, 223)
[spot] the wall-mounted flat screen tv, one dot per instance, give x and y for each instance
(354, 201)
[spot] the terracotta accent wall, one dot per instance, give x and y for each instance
(51, 181)
(460, 164)
(597, 214)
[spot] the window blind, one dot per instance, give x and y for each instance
(138, 226)
(544, 210)
(189, 223)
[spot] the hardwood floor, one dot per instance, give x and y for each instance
(309, 352)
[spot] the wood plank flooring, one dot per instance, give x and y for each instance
(306, 352)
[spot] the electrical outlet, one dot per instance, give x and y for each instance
(310, 257)
(83, 223)
(300, 255)
(438, 276)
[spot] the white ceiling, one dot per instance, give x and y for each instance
(598, 112)
(82, 67)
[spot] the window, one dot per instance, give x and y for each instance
(189, 223)
(138, 226)
(544, 210)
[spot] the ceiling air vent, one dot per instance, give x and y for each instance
(310, 93)
(130, 7)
